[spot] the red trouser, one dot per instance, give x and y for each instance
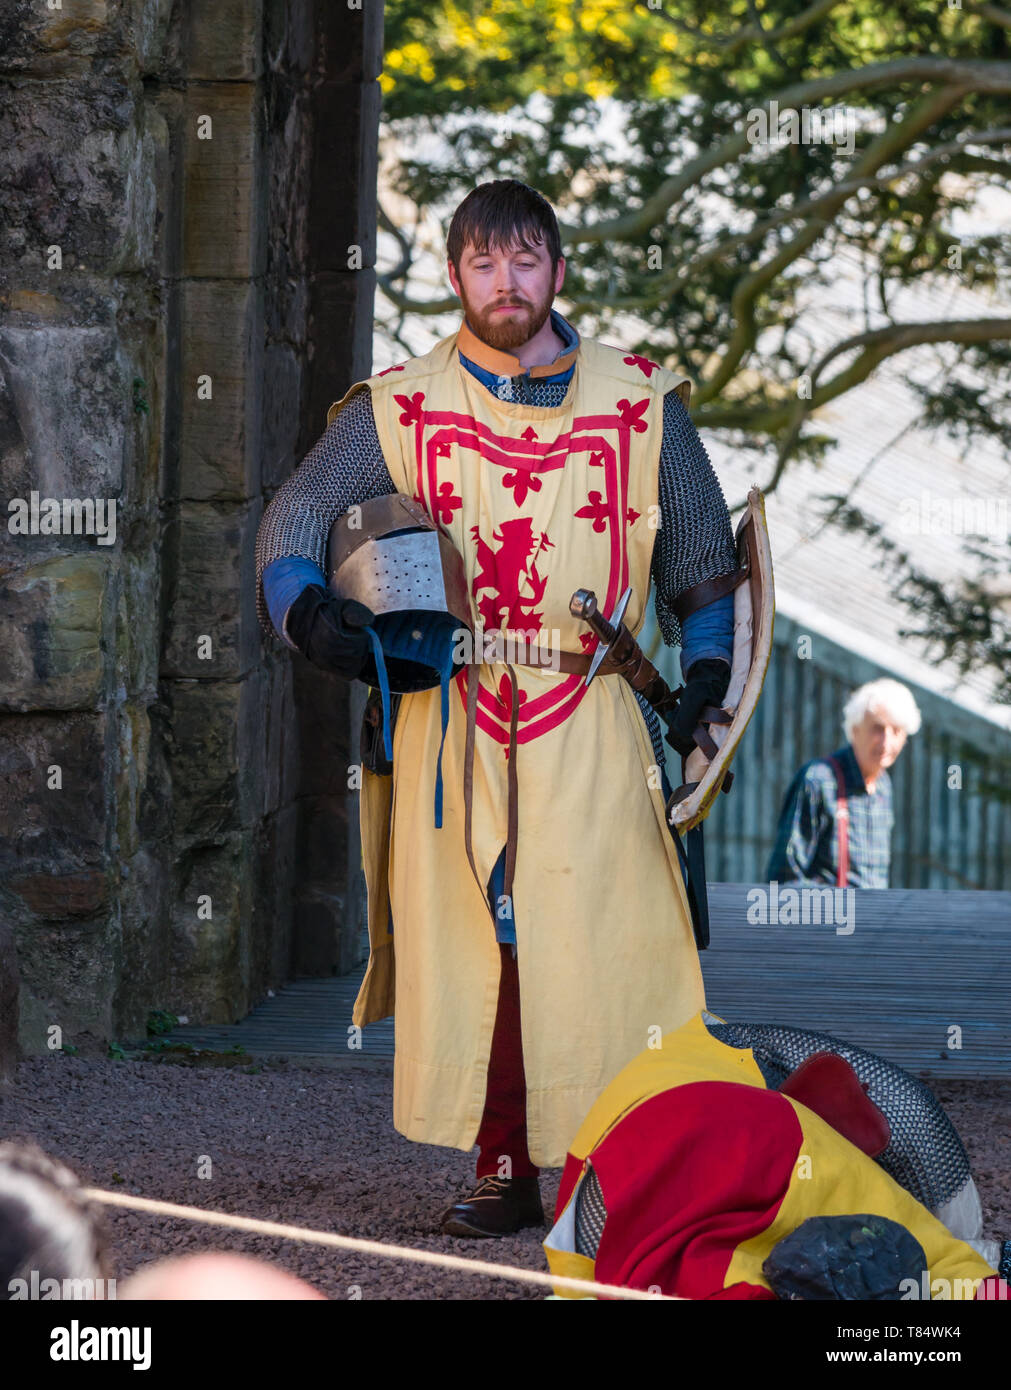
(503, 1131)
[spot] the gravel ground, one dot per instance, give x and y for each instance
(316, 1147)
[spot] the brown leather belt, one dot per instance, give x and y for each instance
(566, 663)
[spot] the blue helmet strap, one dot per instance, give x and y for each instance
(384, 689)
(427, 639)
(444, 684)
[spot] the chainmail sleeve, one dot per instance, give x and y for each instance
(924, 1154)
(695, 540)
(345, 467)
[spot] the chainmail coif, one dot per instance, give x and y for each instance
(346, 467)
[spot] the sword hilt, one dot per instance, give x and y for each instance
(619, 645)
(583, 604)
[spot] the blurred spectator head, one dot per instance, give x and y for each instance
(47, 1228)
(215, 1274)
(877, 720)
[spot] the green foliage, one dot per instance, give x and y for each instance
(160, 1021)
(511, 89)
(687, 89)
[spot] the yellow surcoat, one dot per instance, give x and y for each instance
(539, 502)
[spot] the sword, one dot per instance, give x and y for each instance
(618, 643)
(642, 675)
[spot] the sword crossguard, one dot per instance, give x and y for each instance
(617, 642)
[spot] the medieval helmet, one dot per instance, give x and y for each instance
(390, 555)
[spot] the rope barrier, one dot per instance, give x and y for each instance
(370, 1247)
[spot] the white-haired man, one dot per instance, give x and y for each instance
(836, 822)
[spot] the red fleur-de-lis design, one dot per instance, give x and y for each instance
(412, 407)
(631, 415)
(632, 516)
(596, 460)
(447, 503)
(521, 483)
(643, 363)
(587, 640)
(387, 371)
(443, 450)
(597, 510)
(529, 433)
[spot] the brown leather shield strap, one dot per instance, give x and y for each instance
(690, 600)
(711, 714)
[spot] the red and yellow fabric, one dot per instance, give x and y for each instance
(539, 502)
(703, 1170)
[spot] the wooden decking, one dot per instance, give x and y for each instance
(916, 966)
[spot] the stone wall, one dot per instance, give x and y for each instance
(180, 187)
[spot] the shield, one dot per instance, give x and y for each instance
(754, 607)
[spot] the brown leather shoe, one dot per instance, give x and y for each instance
(496, 1207)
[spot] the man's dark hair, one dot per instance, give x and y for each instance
(502, 214)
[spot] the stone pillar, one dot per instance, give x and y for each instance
(8, 1006)
(341, 235)
(175, 320)
(82, 398)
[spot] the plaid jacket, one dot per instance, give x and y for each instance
(807, 841)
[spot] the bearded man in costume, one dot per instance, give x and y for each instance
(541, 927)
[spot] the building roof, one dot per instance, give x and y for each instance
(926, 489)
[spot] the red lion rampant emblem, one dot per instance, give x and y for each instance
(503, 572)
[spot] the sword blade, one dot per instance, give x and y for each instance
(606, 629)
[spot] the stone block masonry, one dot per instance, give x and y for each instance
(176, 314)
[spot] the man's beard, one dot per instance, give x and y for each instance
(505, 332)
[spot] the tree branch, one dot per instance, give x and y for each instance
(399, 272)
(992, 13)
(751, 33)
(962, 75)
(447, 305)
(880, 344)
(671, 281)
(899, 135)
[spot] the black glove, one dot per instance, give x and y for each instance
(705, 684)
(330, 631)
